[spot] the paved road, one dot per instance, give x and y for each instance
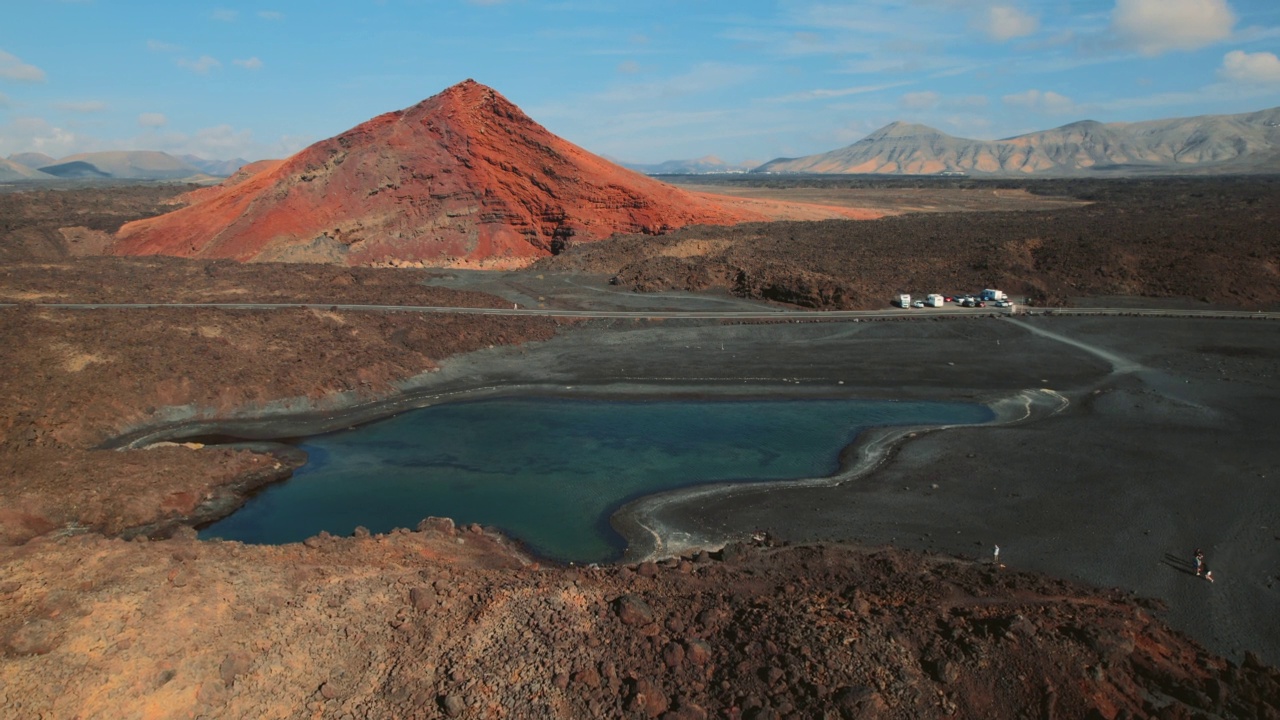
(764, 314)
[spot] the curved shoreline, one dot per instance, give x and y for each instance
(649, 538)
(646, 537)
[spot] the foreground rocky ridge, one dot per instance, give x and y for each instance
(449, 622)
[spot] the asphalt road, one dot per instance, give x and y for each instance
(671, 315)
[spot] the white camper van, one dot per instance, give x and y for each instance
(933, 300)
(904, 301)
(992, 295)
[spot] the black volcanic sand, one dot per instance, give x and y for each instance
(1147, 463)
(1166, 443)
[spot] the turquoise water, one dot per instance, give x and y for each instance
(550, 472)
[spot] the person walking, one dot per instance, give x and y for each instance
(1202, 567)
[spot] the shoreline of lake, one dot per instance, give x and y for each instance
(551, 471)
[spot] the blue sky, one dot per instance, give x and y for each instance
(643, 81)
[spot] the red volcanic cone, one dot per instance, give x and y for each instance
(461, 176)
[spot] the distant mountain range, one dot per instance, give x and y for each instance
(1208, 144)
(1244, 143)
(11, 171)
(118, 164)
(708, 165)
(220, 168)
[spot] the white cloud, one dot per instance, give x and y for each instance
(1259, 67)
(4, 101)
(1048, 102)
(701, 79)
(1005, 22)
(11, 68)
(223, 140)
(161, 46)
(225, 15)
(270, 15)
(827, 94)
(152, 120)
(201, 65)
(926, 100)
(629, 67)
(84, 106)
(252, 63)
(969, 126)
(1155, 27)
(33, 134)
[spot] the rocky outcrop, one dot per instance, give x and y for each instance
(462, 177)
(437, 624)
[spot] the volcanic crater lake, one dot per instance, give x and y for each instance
(550, 472)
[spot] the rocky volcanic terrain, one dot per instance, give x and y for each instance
(43, 224)
(1209, 240)
(81, 379)
(1248, 142)
(463, 175)
(449, 622)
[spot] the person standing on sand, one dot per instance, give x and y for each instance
(1199, 562)
(995, 557)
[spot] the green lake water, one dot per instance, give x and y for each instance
(550, 472)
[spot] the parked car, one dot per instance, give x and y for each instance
(918, 304)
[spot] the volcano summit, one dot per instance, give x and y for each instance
(463, 176)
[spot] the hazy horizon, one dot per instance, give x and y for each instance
(642, 84)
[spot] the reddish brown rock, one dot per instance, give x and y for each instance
(463, 176)
(647, 698)
(698, 652)
(234, 665)
(34, 638)
(633, 610)
(673, 655)
(422, 598)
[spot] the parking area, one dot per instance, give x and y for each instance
(985, 298)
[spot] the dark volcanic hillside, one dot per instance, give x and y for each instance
(1206, 239)
(464, 175)
(1248, 142)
